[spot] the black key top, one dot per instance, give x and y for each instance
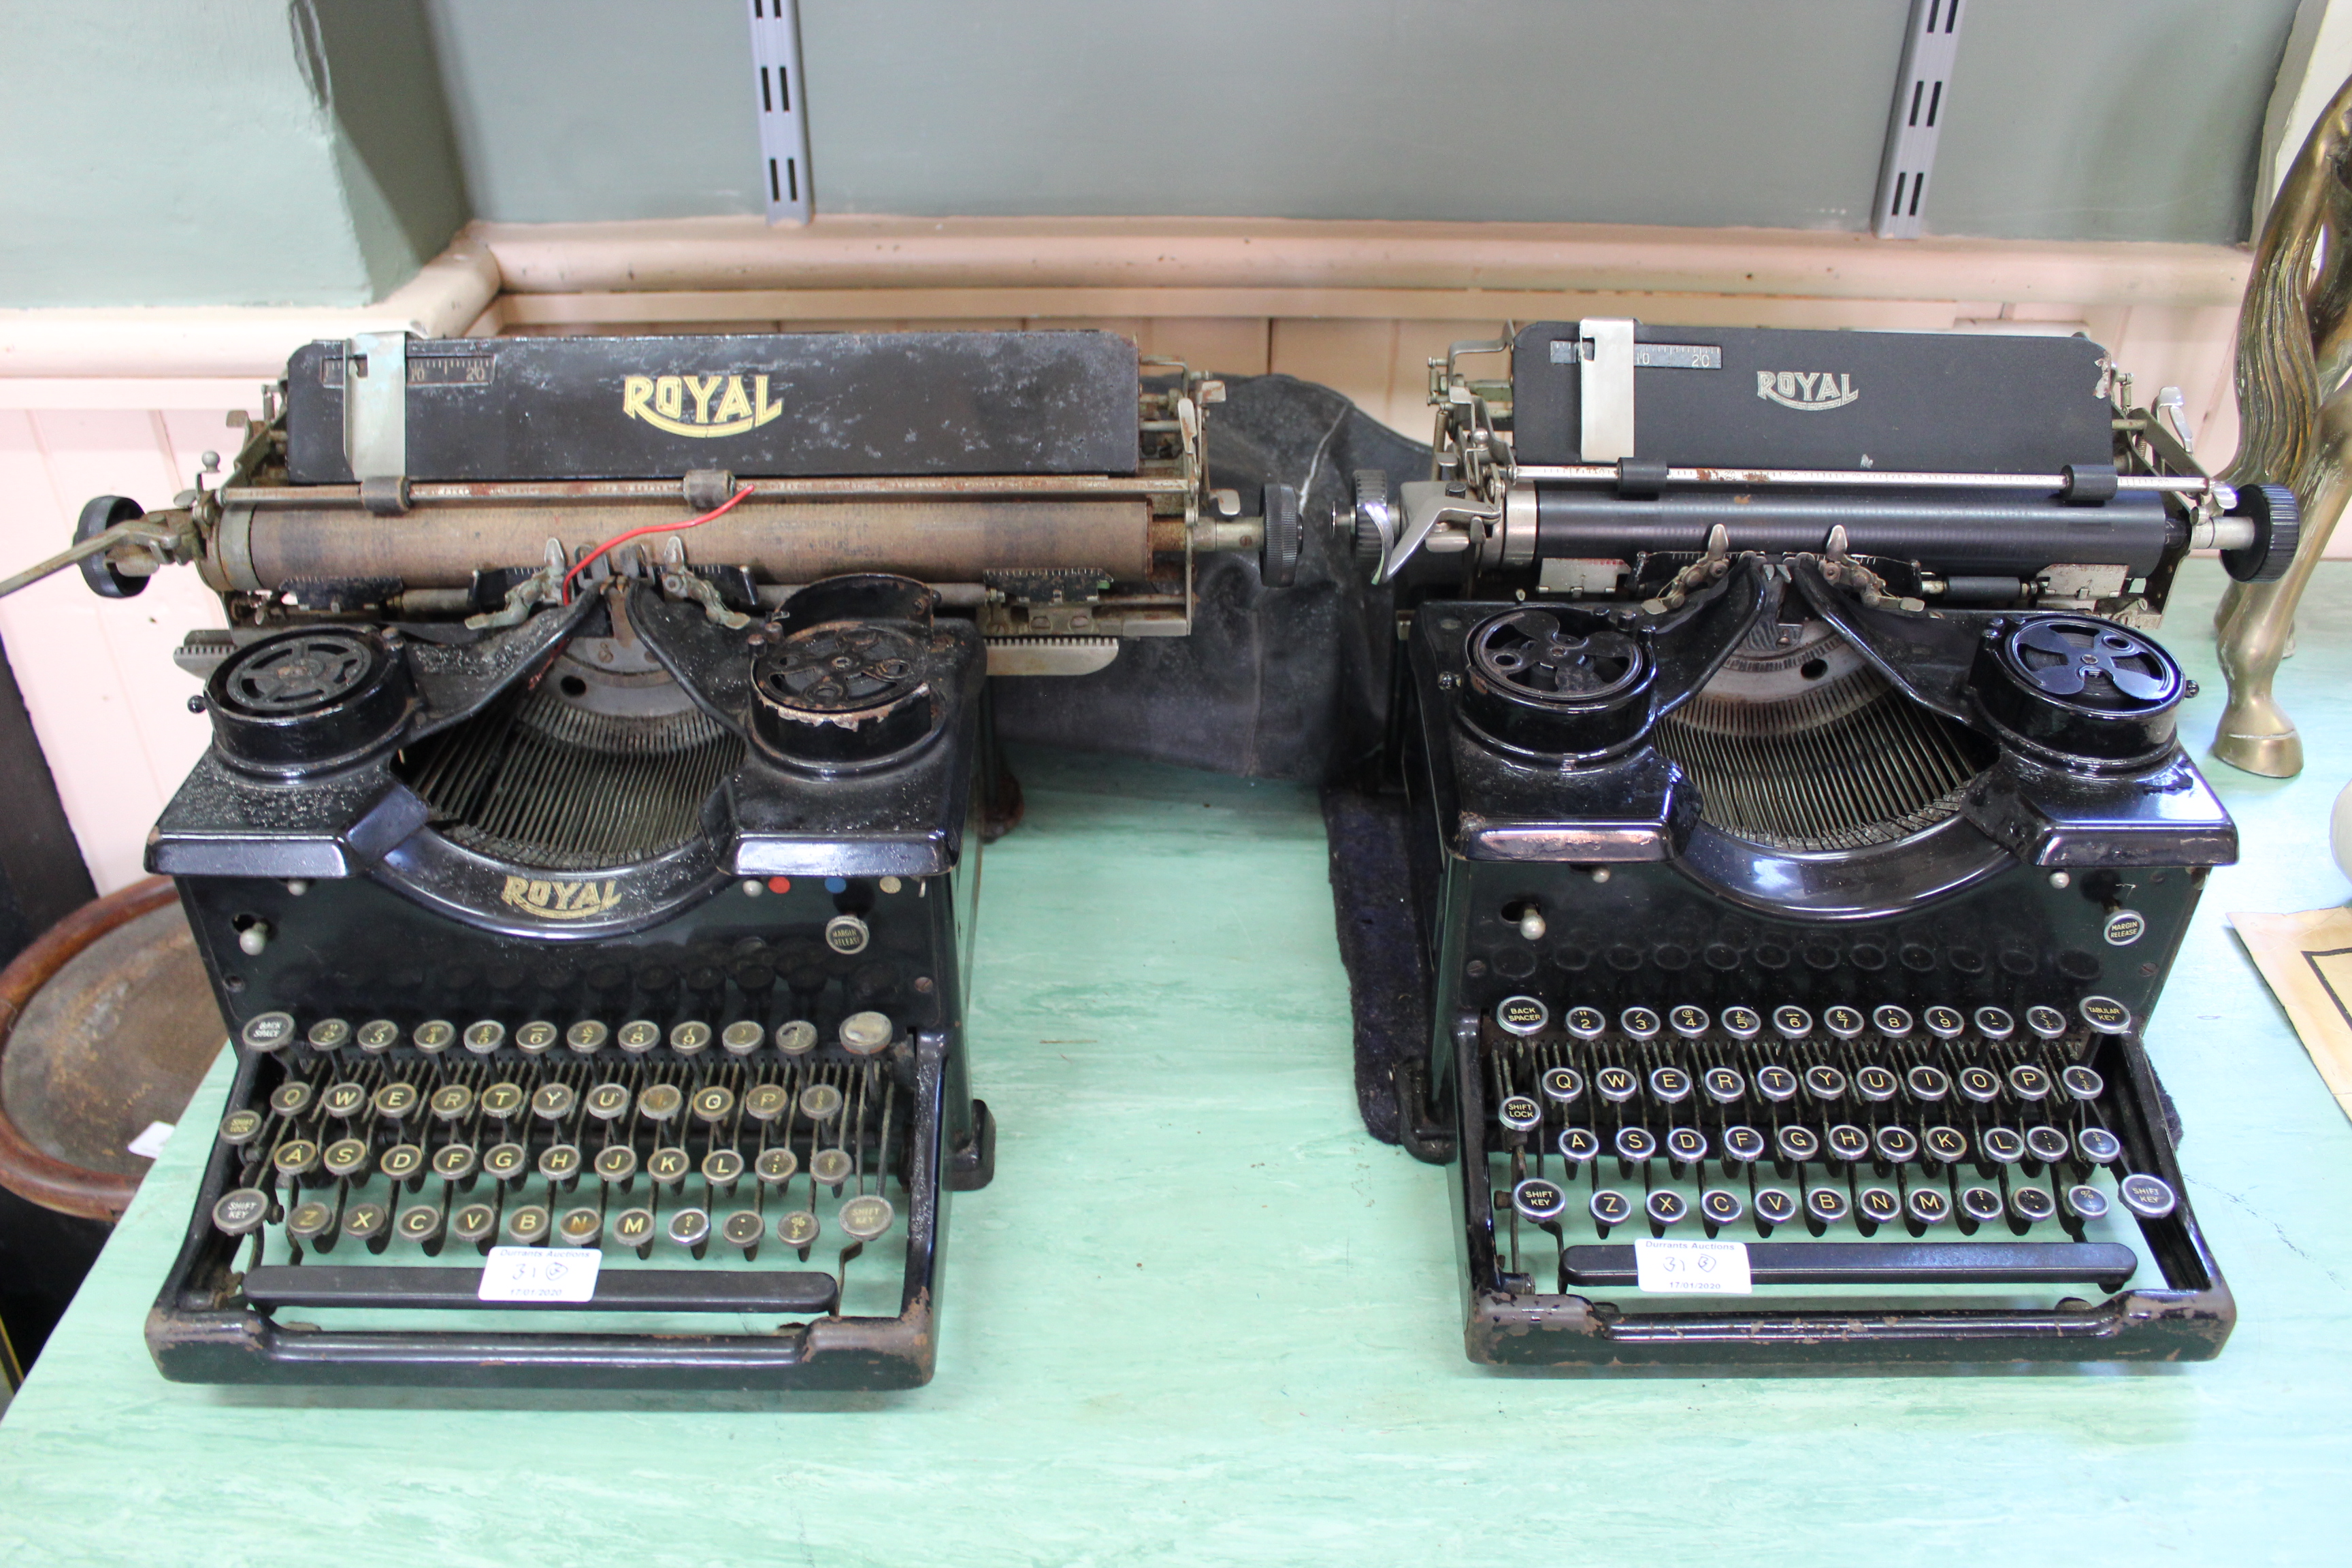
(690, 1228)
(2032, 1205)
(295, 1157)
(345, 1159)
(453, 1161)
(2086, 1202)
(1720, 1205)
(1562, 1085)
(2098, 1145)
(1792, 1023)
(743, 1229)
(635, 1228)
(1636, 1143)
(1824, 1083)
(713, 1103)
(1723, 1085)
(1893, 1022)
(797, 1038)
(419, 1223)
(798, 1228)
(291, 1098)
(243, 1211)
(1522, 1016)
(820, 1102)
(766, 1101)
(376, 1037)
(1843, 1021)
(268, 1032)
(2000, 1146)
(1776, 1083)
(1617, 1085)
(2029, 1082)
(343, 1101)
(1848, 1143)
(1665, 1207)
(1798, 1144)
(1519, 1113)
(2082, 1083)
(660, 1102)
(329, 1035)
(434, 1036)
(691, 1038)
(863, 1034)
(586, 1038)
(2047, 1143)
(451, 1101)
(1944, 1023)
(502, 1102)
(1743, 1144)
(560, 1161)
(1946, 1146)
(1896, 1145)
(1879, 1206)
(830, 1167)
(1685, 1145)
(310, 1221)
(1995, 1024)
(609, 1102)
(369, 1223)
(485, 1036)
(1669, 1085)
(1585, 1023)
(1641, 1023)
(1979, 1084)
(1608, 1208)
(1927, 1083)
(2150, 1198)
(536, 1037)
(238, 1127)
(1536, 1200)
(865, 1217)
(1928, 1205)
(1876, 1084)
(1742, 1023)
(527, 1226)
(740, 1038)
(777, 1166)
(473, 1224)
(1774, 1207)
(1825, 1205)
(579, 1226)
(1691, 1022)
(722, 1167)
(637, 1036)
(2045, 1021)
(505, 1161)
(553, 1101)
(669, 1165)
(615, 1163)
(2105, 1015)
(1981, 1204)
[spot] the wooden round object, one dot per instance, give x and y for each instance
(107, 1024)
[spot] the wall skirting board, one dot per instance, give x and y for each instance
(123, 401)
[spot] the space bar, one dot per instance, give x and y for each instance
(617, 1291)
(1890, 1263)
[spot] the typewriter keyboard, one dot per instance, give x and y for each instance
(686, 1148)
(1848, 1128)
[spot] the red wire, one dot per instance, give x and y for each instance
(619, 538)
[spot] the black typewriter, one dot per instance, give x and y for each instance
(1795, 844)
(587, 853)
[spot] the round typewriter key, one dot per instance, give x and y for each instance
(1688, 1021)
(1875, 1084)
(2032, 1205)
(1521, 1016)
(862, 1034)
(1670, 1084)
(1610, 1206)
(536, 1037)
(740, 1038)
(2045, 1021)
(295, 1157)
(743, 1229)
(526, 1225)
(1577, 1144)
(1723, 1085)
(1563, 1086)
(639, 1035)
(1927, 1083)
(797, 1038)
(1825, 1205)
(669, 1164)
(820, 1101)
(2086, 1201)
(434, 1036)
(1797, 1145)
(2000, 1145)
(1848, 1143)
(1636, 1143)
(1685, 1145)
(1744, 1144)
(1742, 1023)
(291, 1098)
(484, 1036)
(866, 1217)
(400, 1162)
(1995, 1024)
(365, 1222)
(473, 1223)
(713, 1102)
(2045, 1143)
(1722, 1205)
(1519, 1113)
(419, 1222)
(237, 1128)
(560, 1161)
(453, 1161)
(721, 1167)
(376, 1037)
(268, 1032)
(1534, 1199)
(635, 1228)
(688, 1039)
(329, 1035)
(345, 1158)
(1774, 1206)
(615, 1163)
(1639, 1023)
(830, 1166)
(1946, 1146)
(1617, 1085)
(579, 1228)
(500, 1101)
(1928, 1205)
(2105, 1015)
(1878, 1205)
(345, 1100)
(587, 1037)
(2081, 1083)
(766, 1101)
(608, 1101)
(1843, 1021)
(310, 1221)
(1585, 1023)
(660, 1102)
(451, 1101)
(553, 1101)
(505, 1161)
(242, 1212)
(1893, 1022)
(1944, 1023)
(1896, 1145)
(2098, 1145)
(2029, 1082)
(1980, 1084)
(776, 1166)
(689, 1227)
(1824, 1082)
(798, 1228)
(1776, 1083)
(1792, 1023)
(1665, 1206)
(2150, 1198)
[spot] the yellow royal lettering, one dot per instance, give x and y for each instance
(515, 888)
(635, 393)
(703, 386)
(734, 406)
(669, 396)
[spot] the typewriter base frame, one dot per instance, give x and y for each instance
(199, 1331)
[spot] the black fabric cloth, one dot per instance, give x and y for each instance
(1277, 683)
(1380, 942)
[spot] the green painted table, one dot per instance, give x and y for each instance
(1200, 1318)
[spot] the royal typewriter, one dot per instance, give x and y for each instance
(586, 855)
(1795, 844)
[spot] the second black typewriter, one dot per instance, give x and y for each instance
(1796, 839)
